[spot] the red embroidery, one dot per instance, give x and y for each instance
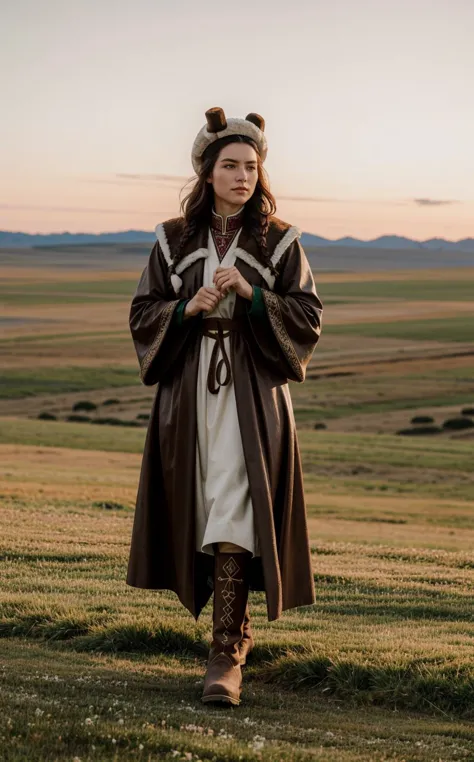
(224, 237)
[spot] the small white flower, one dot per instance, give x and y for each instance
(141, 747)
(88, 721)
(114, 740)
(39, 712)
(120, 722)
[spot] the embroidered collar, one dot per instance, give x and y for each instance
(223, 226)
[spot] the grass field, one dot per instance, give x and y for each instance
(459, 328)
(431, 290)
(380, 668)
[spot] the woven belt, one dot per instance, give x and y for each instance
(223, 326)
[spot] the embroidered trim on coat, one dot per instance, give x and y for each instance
(274, 313)
(165, 319)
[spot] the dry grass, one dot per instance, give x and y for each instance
(444, 274)
(406, 311)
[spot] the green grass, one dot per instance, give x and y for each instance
(82, 436)
(30, 300)
(383, 449)
(56, 705)
(67, 292)
(379, 668)
(39, 338)
(318, 446)
(403, 290)
(327, 413)
(377, 463)
(326, 398)
(348, 463)
(15, 384)
(436, 329)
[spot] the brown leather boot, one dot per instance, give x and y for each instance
(223, 679)
(247, 642)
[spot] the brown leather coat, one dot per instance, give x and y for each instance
(272, 348)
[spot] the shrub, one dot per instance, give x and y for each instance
(422, 419)
(467, 411)
(458, 423)
(419, 430)
(47, 416)
(84, 405)
(111, 401)
(109, 505)
(78, 418)
(110, 421)
(143, 416)
(320, 425)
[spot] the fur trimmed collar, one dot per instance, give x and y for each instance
(280, 236)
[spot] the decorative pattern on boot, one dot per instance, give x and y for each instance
(231, 568)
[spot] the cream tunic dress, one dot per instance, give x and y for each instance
(224, 510)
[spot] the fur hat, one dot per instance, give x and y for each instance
(219, 127)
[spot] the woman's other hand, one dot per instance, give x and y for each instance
(206, 300)
(226, 278)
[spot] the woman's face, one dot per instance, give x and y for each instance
(235, 175)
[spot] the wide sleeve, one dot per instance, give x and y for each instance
(289, 329)
(158, 339)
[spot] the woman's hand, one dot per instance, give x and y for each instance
(205, 300)
(226, 278)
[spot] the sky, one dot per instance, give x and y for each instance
(368, 104)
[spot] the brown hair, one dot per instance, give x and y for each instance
(196, 207)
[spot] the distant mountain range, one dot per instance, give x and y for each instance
(11, 239)
(391, 242)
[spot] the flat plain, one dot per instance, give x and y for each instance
(380, 668)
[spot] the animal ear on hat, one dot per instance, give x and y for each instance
(216, 121)
(257, 120)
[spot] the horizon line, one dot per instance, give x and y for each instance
(303, 232)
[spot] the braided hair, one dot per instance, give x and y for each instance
(196, 206)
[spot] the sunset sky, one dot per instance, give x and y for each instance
(369, 110)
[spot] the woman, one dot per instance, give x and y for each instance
(225, 313)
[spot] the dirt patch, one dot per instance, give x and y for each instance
(391, 311)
